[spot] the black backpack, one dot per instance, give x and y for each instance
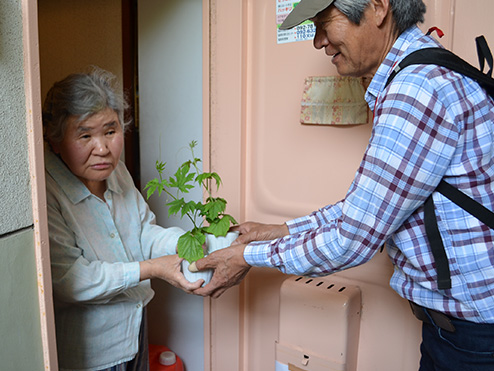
(445, 58)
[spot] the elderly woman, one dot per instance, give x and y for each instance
(430, 125)
(105, 246)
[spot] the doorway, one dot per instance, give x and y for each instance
(155, 50)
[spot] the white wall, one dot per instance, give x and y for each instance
(170, 96)
(21, 343)
(15, 193)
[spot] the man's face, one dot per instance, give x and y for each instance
(355, 49)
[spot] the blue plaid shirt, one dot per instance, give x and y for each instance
(429, 123)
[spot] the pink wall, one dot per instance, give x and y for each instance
(275, 169)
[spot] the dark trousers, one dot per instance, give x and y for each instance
(469, 348)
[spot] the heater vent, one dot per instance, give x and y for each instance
(323, 284)
(319, 325)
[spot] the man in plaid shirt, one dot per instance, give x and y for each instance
(429, 124)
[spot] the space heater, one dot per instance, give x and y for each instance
(319, 325)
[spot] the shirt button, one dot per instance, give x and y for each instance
(112, 235)
(138, 305)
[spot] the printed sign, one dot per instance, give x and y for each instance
(302, 32)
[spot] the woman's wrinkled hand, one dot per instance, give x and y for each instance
(168, 268)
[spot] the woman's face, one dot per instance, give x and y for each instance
(91, 149)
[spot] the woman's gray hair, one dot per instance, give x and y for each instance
(406, 13)
(80, 95)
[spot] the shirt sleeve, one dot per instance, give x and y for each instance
(316, 219)
(411, 146)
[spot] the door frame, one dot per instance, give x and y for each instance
(37, 176)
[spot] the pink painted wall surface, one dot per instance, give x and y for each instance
(276, 169)
(37, 172)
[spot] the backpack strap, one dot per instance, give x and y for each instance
(445, 58)
(437, 246)
(432, 231)
(484, 54)
(466, 203)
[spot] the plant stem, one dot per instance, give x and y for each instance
(204, 183)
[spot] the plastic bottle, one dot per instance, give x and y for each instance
(163, 359)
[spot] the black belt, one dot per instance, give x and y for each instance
(440, 319)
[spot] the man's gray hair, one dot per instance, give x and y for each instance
(80, 95)
(406, 13)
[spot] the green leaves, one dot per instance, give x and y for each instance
(213, 208)
(152, 186)
(157, 184)
(179, 205)
(187, 177)
(220, 227)
(160, 166)
(182, 179)
(205, 179)
(189, 246)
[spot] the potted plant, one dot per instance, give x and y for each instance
(210, 223)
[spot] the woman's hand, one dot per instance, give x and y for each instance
(167, 268)
(252, 231)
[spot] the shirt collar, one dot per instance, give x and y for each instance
(72, 186)
(409, 41)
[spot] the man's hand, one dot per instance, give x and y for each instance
(229, 267)
(252, 231)
(167, 268)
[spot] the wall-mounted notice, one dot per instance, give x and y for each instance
(304, 31)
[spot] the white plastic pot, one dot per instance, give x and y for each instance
(212, 243)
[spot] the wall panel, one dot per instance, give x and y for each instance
(288, 170)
